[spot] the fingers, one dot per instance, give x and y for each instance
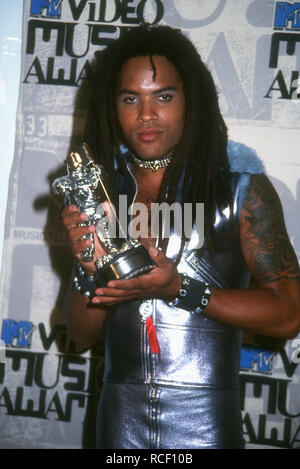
(146, 242)
(79, 245)
(137, 283)
(79, 231)
(155, 253)
(71, 216)
(74, 221)
(110, 296)
(124, 290)
(159, 257)
(81, 235)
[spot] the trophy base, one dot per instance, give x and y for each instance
(125, 265)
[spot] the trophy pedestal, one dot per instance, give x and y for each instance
(124, 265)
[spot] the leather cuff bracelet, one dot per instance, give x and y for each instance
(192, 296)
(84, 284)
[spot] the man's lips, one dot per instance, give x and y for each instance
(148, 135)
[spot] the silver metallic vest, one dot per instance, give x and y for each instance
(196, 350)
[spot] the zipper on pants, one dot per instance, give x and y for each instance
(148, 360)
(153, 417)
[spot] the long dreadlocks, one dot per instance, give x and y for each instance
(201, 153)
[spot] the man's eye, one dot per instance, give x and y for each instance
(165, 97)
(129, 100)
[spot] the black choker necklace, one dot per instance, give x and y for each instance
(154, 165)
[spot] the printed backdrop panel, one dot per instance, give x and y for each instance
(49, 391)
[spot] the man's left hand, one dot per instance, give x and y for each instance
(162, 282)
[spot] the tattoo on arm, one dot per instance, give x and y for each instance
(264, 240)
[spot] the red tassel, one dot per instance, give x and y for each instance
(151, 332)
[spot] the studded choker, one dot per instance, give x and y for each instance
(154, 165)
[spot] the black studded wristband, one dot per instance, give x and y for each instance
(192, 296)
(84, 284)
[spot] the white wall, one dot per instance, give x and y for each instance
(10, 64)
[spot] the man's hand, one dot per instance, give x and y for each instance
(72, 218)
(162, 282)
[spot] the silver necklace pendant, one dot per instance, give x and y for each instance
(146, 309)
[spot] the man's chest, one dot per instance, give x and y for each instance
(148, 188)
(148, 184)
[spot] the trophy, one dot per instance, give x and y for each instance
(84, 186)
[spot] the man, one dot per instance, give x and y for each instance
(178, 387)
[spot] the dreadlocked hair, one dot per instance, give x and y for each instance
(200, 158)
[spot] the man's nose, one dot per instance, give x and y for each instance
(147, 112)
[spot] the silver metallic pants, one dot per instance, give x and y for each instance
(148, 416)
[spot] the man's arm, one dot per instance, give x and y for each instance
(273, 306)
(84, 320)
(264, 240)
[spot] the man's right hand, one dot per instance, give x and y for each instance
(72, 218)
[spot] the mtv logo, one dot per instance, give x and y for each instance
(255, 359)
(17, 334)
(48, 8)
(287, 15)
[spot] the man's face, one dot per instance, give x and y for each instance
(151, 109)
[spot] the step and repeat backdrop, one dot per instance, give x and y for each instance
(48, 390)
